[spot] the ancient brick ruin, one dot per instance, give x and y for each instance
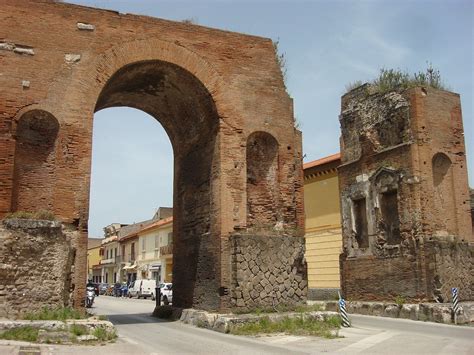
(219, 95)
(404, 196)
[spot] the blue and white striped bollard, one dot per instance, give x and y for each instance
(456, 307)
(342, 309)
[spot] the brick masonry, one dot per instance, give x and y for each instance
(213, 91)
(404, 196)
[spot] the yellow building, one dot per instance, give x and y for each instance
(152, 259)
(323, 226)
(93, 259)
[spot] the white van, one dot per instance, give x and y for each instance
(142, 288)
(147, 288)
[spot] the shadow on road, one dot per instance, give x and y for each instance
(137, 318)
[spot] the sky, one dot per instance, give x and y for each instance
(327, 45)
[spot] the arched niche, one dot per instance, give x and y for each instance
(445, 204)
(34, 169)
(262, 180)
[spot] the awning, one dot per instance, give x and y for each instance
(130, 267)
(155, 267)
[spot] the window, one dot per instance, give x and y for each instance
(170, 238)
(390, 217)
(123, 252)
(143, 244)
(360, 216)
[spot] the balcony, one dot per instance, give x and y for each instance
(107, 261)
(166, 250)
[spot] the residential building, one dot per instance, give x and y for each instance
(323, 226)
(109, 266)
(93, 259)
(151, 263)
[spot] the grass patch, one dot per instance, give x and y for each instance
(280, 308)
(293, 326)
(103, 317)
(103, 335)
(62, 313)
(26, 333)
(78, 330)
(41, 214)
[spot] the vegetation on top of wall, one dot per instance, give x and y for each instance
(281, 60)
(41, 214)
(62, 314)
(393, 79)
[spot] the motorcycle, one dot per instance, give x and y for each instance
(90, 295)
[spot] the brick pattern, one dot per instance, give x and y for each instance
(404, 170)
(209, 89)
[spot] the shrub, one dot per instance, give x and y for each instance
(393, 79)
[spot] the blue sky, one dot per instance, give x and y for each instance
(327, 44)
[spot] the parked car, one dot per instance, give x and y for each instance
(96, 289)
(124, 290)
(166, 293)
(134, 288)
(117, 289)
(103, 288)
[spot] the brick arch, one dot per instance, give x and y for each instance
(88, 82)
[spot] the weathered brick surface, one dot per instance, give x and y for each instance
(210, 89)
(404, 193)
(36, 266)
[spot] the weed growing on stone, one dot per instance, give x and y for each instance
(62, 313)
(78, 329)
(103, 317)
(41, 214)
(400, 300)
(103, 335)
(328, 328)
(280, 308)
(21, 333)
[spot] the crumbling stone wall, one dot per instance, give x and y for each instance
(36, 266)
(267, 271)
(211, 90)
(425, 271)
(403, 184)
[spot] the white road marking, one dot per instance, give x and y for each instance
(368, 342)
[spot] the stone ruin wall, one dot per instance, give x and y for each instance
(36, 266)
(267, 271)
(404, 196)
(76, 60)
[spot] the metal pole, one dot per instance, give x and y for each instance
(158, 295)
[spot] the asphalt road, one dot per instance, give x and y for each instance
(141, 334)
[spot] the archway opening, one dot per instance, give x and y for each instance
(186, 110)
